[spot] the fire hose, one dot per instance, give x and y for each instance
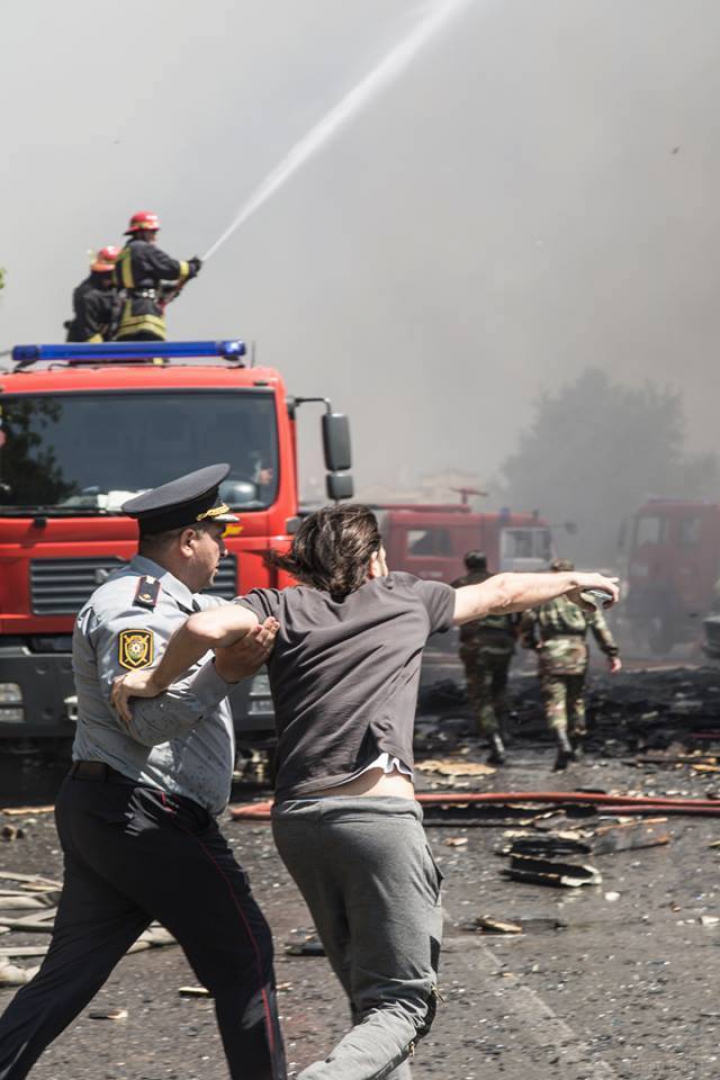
(612, 804)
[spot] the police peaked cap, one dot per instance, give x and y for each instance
(181, 503)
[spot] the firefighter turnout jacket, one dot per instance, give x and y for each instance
(140, 270)
(96, 311)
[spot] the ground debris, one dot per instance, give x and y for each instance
(17, 901)
(12, 951)
(630, 836)
(31, 882)
(26, 811)
(194, 991)
(454, 767)
(11, 832)
(488, 925)
(548, 846)
(536, 870)
(531, 924)
(304, 943)
(11, 975)
(28, 926)
(109, 1014)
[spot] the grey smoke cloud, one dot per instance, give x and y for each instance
(537, 195)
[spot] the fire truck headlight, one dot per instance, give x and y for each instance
(10, 698)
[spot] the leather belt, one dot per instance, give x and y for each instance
(95, 770)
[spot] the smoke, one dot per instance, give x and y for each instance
(537, 195)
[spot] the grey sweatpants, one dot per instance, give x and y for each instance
(366, 872)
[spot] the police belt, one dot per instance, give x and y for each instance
(97, 770)
(142, 294)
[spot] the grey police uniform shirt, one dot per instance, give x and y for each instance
(182, 741)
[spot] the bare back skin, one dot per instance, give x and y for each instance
(372, 782)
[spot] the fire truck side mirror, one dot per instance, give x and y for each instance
(340, 486)
(336, 443)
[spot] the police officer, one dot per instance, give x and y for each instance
(558, 631)
(96, 301)
(137, 814)
(486, 650)
(141, 271)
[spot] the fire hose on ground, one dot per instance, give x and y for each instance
(624, 805)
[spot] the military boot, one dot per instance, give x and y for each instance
(565, 752)
(497, 749)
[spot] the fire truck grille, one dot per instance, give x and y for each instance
(225, 583)
(61, 586)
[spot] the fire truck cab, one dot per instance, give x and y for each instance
(430, 540)
(673, 563)
(85, 427)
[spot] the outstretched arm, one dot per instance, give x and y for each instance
(505, 593)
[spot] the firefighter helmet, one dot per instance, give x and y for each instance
(105, 259)
(143, 221)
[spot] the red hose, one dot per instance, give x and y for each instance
(614, 804)
(491, 797)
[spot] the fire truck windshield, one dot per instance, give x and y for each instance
(87, 453)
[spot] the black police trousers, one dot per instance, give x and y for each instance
(132, 855)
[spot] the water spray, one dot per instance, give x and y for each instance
(376, 80)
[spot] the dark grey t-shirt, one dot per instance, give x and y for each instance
(344, 674)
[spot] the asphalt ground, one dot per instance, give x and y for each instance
(628, 988)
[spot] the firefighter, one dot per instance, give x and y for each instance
(558, 630)
(95, 301)
(486, 650)
(140, 272)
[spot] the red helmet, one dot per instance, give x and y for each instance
(143, 221)
(105, 259)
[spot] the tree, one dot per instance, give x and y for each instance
(595, 451)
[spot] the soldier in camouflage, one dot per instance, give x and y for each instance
(558, 632)
(486, 649)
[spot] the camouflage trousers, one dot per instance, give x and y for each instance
(564, 702)
(486, 674)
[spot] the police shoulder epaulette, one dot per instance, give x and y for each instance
(147, 593)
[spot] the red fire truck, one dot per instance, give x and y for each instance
(673, 562)
(85, 427)
(430, 540)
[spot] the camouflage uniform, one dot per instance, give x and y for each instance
(558, 629)
(486, 649)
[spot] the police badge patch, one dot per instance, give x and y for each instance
(135, 649)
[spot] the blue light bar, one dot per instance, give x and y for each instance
(128, 350)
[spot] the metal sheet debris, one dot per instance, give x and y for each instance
(539, 871)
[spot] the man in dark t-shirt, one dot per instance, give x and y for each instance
(354, 697)
(344, 676)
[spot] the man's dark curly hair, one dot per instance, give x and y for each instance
(332, 549)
